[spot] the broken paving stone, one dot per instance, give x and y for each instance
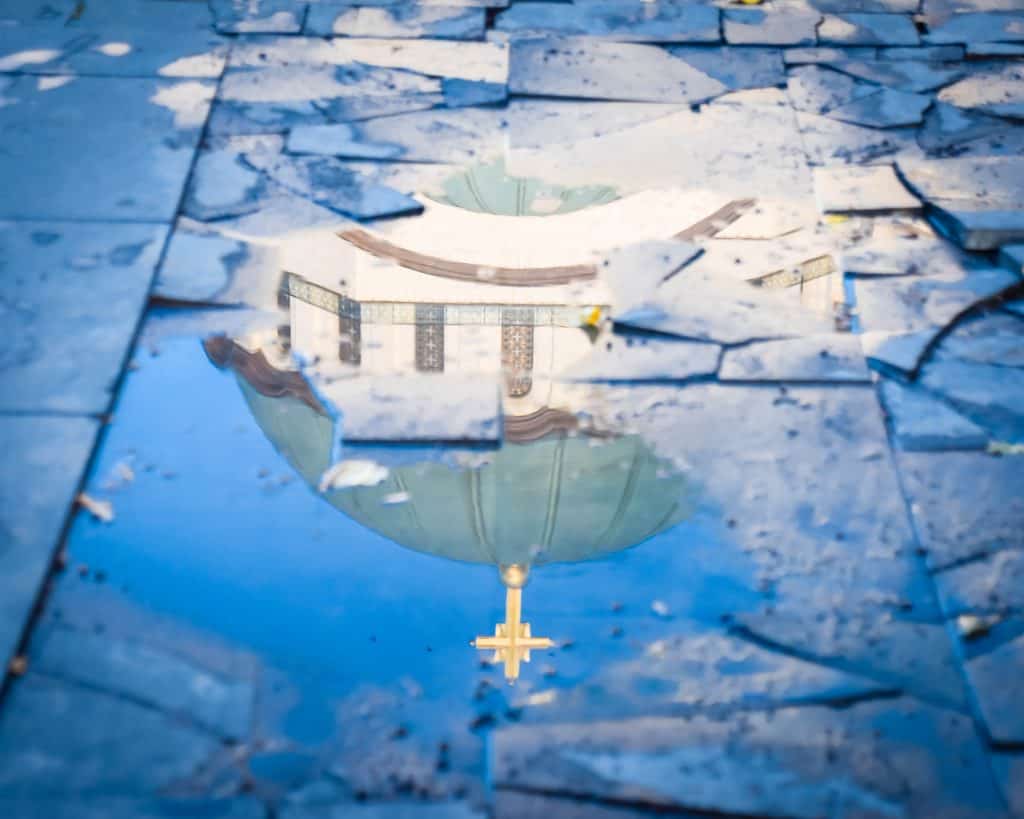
(634, 273)
(738, 68)
(623, 359)
(946, 128)
(911, 304)
(776, 27)
(830, 142)
(258, 16)
(932, 53)
(864, 188)
(897, 351)
(619, 21)
(866, 6)
(989, 586)
(994, 27)
(899, 256)
(998, 701)
(922, 423)
(132, 669)
(991, 396)
(984, 50)
(978, 201)
(602, 70)
(964, 504)
(210, 268)
(331, 183)
(1009, 771)
(883, 109)
(222, 185)
(993, 338)
(413, 408)
(907, 75)
(997, 90)
(868, 29)
(718, 766)
(144, 751)
(810, 55)
(835, 357)
(815, 89)
(399, 20)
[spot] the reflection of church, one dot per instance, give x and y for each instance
(372, 305)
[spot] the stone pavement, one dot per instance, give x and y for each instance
(805, 219)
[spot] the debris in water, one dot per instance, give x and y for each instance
(1004, 448)
(660, 607)
(352, 473)
(18, 666)
(395, 498)
(972, 626)
(100, 509)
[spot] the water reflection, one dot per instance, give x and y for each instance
(561, 488)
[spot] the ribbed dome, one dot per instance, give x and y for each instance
(486, 188)
(559, 499)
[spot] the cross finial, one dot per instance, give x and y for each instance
(512, 640)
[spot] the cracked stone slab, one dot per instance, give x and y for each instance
(335, 185)
(905, 75)
(897, 351)
(903, 256)
(992, 338)
(813, 55)
(911, 304)
(135, 670)
(399, 21)
(624, 359)
(997, 90)
(35, 498)
(950, 129)
(412, 408)
(922, 423)
(619, 21)
(99, 147)
(60, 278)
(999, 702)
(993, 584)
(704, 764)
(204, 267)
(866, 6)
(982, 50)
(92, 744)
(978, 27)
(816, 89)
(836, 357)
(705, 672)
(782, 27)
(747, 67)
(458, 136)
(865, 188)
(603, 70)
(222, 185)
(927, 53)
(965, 504)
(830, 142)
(259, 17)
(978, 201)
(634, 272)
(990, 395)
(868, 29)
(113, 39)
(887, 108)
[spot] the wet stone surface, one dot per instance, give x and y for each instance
(468, 409)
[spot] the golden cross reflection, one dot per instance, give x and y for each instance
(512, 640)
